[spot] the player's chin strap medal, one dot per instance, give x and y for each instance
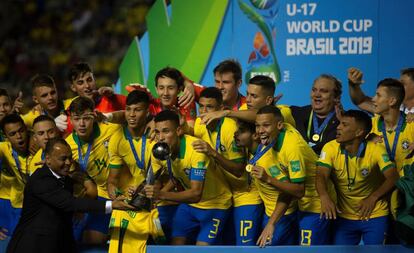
(318, 130)
(139, 200)
(140, 163)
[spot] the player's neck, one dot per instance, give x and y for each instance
(136, 131)
(352, 146)
(86, 139)
(232, 102)
(391, 118)
(22, 152)
(212, 126)
(253, 147)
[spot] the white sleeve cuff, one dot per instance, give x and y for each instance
(108, 207)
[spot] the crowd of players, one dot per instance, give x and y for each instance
(243, 171)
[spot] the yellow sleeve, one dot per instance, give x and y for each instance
(326, 157)
(198, 132)
(29, 117)
(382, 158)
(199, 165)
(115, 160)
(287, 114)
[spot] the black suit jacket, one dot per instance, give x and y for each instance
(45, 224)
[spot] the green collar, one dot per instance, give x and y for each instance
(95, 133)
(181, 154)
(280, 139)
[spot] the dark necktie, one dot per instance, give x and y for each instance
(62, 181)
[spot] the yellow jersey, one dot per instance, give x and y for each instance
(18, 165)
(362, 177)
(299, 160)
(191, 165)
(29, 117)
(243, 193)
(6, 176)
(268, 193)
(122, 157)
(284, 109)
(405, 138)
(98, 159)
(36, 159)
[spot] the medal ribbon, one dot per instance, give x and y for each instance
(140, 163)
(391, 153)
(351, 181)
(316, 128)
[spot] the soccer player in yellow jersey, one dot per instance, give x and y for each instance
(260, 92)
(6, 176)
(206, 198)
(14, 156)
(363, 175)
(298, 159)
(390, 123)
(278, 178)
(89, 143)
(44, 129)
(217, 141)
(130, 152)
(46, 96)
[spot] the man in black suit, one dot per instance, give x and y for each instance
(46, 220)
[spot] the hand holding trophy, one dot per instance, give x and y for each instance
(161, 151)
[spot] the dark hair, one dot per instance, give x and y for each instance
(361, 118)
(408, 72)
(172, 73)
(78, 70)
(3, 92)
(138, 96)
(10, 119)
(267, 84)
(336, 82)
(395, 89)
(270, 109)
(251, 127)
(229, 66)
(80, 104)
(167, 115)
(212, 92)
(41, 80)
(42, 118)
(53, 142)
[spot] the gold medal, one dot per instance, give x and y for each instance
(315, 137)
(249, 167)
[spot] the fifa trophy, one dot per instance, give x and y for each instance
(161, 151)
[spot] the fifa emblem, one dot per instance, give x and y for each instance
(405, 144)
(106, 143)
(222, 148)
(187, 172)
(364, 172)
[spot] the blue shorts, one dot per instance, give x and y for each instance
(9, 216)
(98, 221)
(350, 232)
(209, 222)
(247, 223)
(166, 216)
(286, 230)
(313, 230)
